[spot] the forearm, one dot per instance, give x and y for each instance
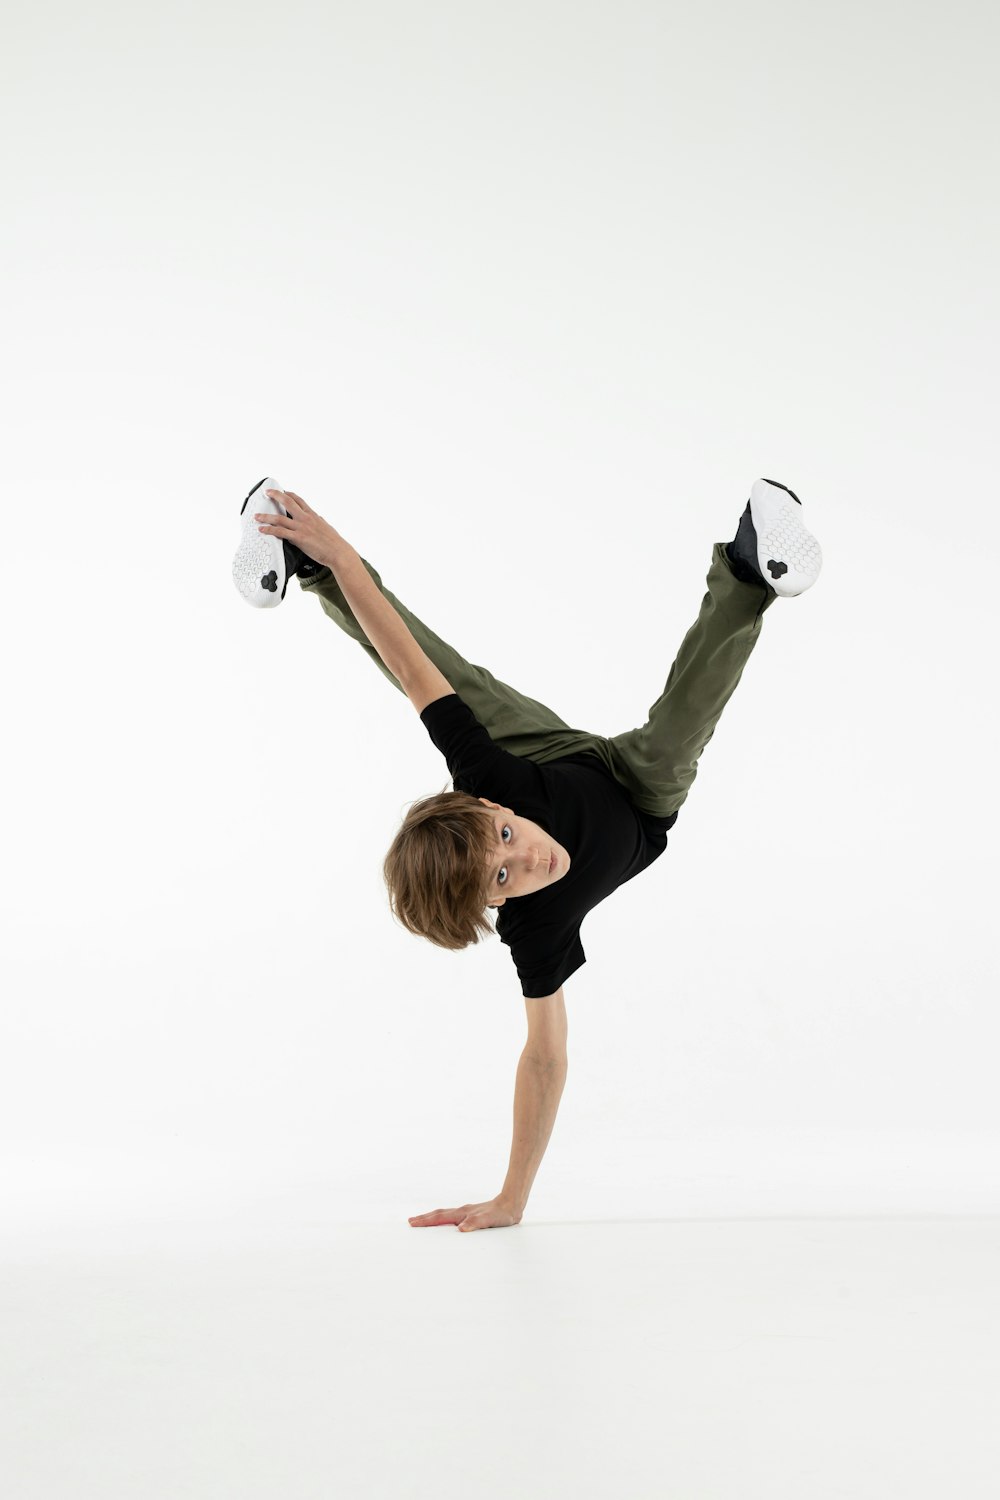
(381, 623)
(537, 1092)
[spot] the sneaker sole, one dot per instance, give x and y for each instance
(259, 565)
(788, 556)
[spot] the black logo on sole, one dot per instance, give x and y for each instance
(776, 568)
(270, 582)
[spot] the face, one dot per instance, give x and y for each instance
(525, 859)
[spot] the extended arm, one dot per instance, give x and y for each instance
(412, 668)
(541, 1075)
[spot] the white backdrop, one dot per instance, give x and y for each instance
(521, 299)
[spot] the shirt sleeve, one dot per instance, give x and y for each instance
(475, 761)
(545, 979)
(545, 954)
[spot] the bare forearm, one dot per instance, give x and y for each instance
(537, 1092)
(381, 623)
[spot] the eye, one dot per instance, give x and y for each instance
(506, 833)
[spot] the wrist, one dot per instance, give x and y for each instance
(336, 551)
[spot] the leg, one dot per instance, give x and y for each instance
(657, 763)
(519, 724)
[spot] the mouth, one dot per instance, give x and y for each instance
(552, 862)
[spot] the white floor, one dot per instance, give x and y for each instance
(772, 1358)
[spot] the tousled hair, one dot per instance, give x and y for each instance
(438, 870)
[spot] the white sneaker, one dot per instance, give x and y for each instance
(773, 543)
(260, 567)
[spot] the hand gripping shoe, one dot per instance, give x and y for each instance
(264, 564)
(772, 544)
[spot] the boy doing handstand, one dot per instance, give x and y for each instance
(545, 821)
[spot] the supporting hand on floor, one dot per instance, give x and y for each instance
(496, 1214)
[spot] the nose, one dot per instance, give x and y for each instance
(531, 858)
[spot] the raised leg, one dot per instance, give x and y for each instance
(517, 723)
(658, 762)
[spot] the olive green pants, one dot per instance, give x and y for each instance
(656, 762)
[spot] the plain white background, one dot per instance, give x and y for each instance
(522, 300)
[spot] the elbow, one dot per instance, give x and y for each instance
(549, 1057)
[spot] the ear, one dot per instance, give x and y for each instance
(496, 905)
(495, 805)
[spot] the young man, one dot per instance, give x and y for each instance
(545, 821)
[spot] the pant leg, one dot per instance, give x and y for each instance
(658, 762)
(517, 723)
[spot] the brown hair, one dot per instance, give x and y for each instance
(438, 870)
